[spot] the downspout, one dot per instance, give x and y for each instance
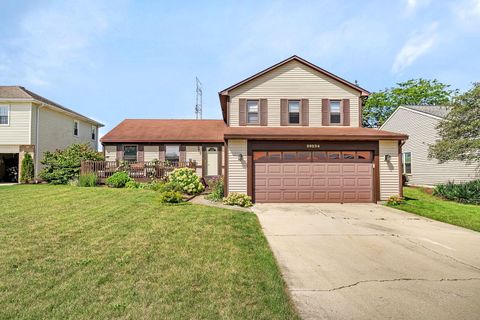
(37, 133)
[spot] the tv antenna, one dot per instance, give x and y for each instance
(198, 104)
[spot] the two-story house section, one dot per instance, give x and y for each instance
(290, 133)
(31, 123)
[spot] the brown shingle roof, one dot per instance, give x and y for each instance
(20, 93)
(171, 130)
(311, 133)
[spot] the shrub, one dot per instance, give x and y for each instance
(187, 179)
(62, 166)
(27, 173)
(238, 199)
(118, 179)
(132, 184)
(217, 188)
(170, 197)
(153, 185)
(468, 192)
(87, 180)
(394, 201)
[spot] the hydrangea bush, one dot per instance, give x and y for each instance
(238, 199)
(187, 179)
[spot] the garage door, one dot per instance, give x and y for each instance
(313, 176)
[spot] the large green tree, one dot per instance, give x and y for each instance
(380, 105)
(460, 131)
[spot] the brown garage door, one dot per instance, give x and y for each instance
(316, 176)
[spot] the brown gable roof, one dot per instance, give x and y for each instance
(311, 133)
(170, 130)
(20, 93)
(224, 93)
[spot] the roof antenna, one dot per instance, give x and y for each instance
(198, 104)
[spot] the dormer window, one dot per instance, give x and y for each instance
(335, 114)
(253, 112)
(293, 111)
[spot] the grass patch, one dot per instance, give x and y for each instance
(420, 202)
(84, 253)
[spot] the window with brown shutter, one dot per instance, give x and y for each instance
(335, 117)
(253, 112)
(294, 112)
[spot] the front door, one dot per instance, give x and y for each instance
(212, 161)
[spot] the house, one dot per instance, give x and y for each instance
(31, 123)
(419, 123)
(290, 133)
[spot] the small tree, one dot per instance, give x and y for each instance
(380, 105)
(460, 131)
(27, 173)
(64, 165)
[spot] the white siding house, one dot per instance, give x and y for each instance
(420, 123)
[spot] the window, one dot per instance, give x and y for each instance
(94, 132)
(259, 156)
(304, 156)
(274, 156)
(172, 153)
(4, 115)
(364, 155)
(319, 156)
(334, 155)
(130, 153)
(290, 156)
(407, 162)
(252, 112)
(294, 112)
(75, 128)
(335, 115)
(348, 155)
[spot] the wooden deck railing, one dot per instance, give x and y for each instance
(140, 171)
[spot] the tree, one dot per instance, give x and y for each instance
(460, 130)
(64, 165)
(27, 169)
(380, 105)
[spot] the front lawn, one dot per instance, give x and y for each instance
(419, 202)
(93, 253)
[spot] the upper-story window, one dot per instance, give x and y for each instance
(253, 112)
(335, 114)
(293, 111)
(4, 115)
(75, 128)
(94, 132)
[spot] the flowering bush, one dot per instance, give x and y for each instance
(118, 179)
(187, 179)
(238, 199)
(216, 189)
(394, 201)
(170, 197)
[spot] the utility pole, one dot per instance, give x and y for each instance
(198, 103)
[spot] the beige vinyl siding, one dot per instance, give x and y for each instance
(194, 153)
(422, 132)
(151, 153)
(237, 170)
(18, 131)
(56, 131)
(110, 153)
(389, 175)
(294, 80)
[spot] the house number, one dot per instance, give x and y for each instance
(313, 146)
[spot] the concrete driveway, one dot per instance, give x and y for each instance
(366, 261)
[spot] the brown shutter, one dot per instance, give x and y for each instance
(360, 112)
(305, 112)
(119, 152)
(263, 112)
(346, 112)
(183, 153)
(140, 153)
(161, 153)
(283, 112)
(242, 109)
(325, 112)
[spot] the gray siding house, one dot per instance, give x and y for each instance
(419, 123)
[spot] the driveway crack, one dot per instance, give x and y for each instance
(383, 280)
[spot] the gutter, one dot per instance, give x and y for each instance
(37, 133)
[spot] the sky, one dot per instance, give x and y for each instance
(112, 60)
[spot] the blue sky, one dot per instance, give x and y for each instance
(138, 59)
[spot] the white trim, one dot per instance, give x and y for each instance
(8, 115)
(408, 109)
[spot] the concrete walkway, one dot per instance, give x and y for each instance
(367, 261)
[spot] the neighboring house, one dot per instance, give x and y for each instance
(419, 123)
(31, 123)
(290, 133)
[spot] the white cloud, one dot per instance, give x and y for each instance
(416, 46)
(51, 38)
(468, 12)
(413, 5)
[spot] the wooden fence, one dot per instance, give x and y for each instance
(140, 171)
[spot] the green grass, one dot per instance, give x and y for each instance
(96, 253)
(419, 202)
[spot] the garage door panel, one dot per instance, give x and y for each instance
(313, 182)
